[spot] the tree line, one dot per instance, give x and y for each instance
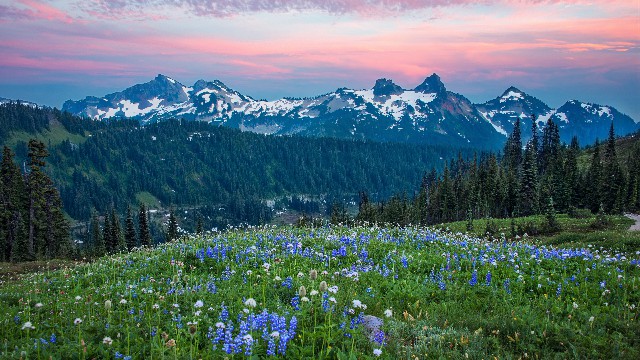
(32, 222)
(541, 177)
(223, 171)
(107, 234)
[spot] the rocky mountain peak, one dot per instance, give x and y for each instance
(386, 87)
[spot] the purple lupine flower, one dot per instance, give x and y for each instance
(474, 278)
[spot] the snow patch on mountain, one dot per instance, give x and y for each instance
(511, 95)
(562, 117)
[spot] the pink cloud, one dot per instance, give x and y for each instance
(226, 8)
(57, 64)
(34, 10)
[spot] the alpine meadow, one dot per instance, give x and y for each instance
(304, 179)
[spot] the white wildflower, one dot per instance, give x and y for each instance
(250, 302)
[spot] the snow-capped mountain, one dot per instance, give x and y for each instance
(584, 120)
(386, 112)
(28, 103)
(590, 121)
(513, 104)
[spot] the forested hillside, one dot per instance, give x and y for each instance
(225, 173)
(543, 177)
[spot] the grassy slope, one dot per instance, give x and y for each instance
(529, 299)
(54, 136)
(574, 232)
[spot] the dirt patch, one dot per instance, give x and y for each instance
(636, 218)
(12, 271)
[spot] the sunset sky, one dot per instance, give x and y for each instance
(54, 50)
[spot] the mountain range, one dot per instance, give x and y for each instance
(28, 103)
(427, 114)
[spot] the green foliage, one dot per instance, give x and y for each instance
(551, 224)
(143, 226)
(601, 221)
(172, 227)
(429, 291)
(32, 222)
(491, 228)
(520, 185)
(195, 164)
(130, 235)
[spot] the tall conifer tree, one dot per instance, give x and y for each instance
(529, 184)
(143, 226)
(593, 181)
(12, 209)
(172, 226)
(36, 184)
(96, 237)
(130, 230)
(613, 182)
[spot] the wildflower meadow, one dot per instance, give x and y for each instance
(330, 292)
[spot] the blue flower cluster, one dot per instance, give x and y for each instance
(252, 330)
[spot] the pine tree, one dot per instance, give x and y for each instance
(550, 147)
(116, 232)
(172, 226)
(535, 143)
(571, 175)
(513, 148)
(96, 237)
(199, 225)
(107, 235)
(613, 182)
(12, 209)
(143, 226)
(469, 220)
(593, 181)
(36, 184)
(365, 209)
(512, 165)
(529, 185)
(552, 224)
(130, 230)
(58, 241)
(338, 214)
(447, 197)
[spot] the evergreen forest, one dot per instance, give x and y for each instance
(120, 185)
(541, 177)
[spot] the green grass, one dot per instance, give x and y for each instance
(574, 232)
(54, 136)
(148, 199)
(438, 295)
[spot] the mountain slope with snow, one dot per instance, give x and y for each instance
(429, 113)
(584, 120)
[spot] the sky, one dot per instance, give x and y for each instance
(588, 50)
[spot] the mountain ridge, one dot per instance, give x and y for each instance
(428, 113)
